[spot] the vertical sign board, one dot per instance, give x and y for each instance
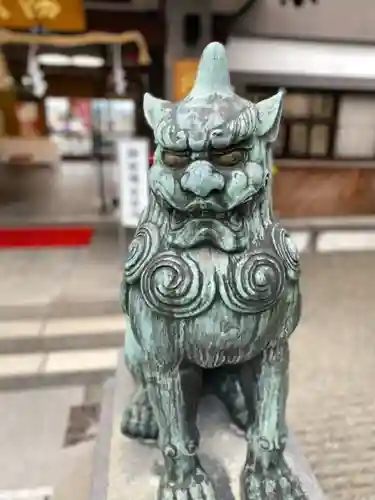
(133, 167)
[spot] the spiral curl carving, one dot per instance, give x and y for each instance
(254, 283)
(287, 251)
(141, 250)
(174, 285)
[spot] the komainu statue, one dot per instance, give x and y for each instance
(211, 287)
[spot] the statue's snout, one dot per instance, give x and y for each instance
(202, 180)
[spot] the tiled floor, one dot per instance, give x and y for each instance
(68, 190)
(82, 424)
(332, 401)
(41, 277)
(32, 429)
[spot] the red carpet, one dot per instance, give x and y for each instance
(45, 237)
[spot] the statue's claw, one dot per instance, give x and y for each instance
(196, 487)
(276, 482)
(138, 420)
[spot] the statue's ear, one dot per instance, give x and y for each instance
(153, 109)
(269, 116)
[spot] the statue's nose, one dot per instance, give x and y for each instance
(201, 179)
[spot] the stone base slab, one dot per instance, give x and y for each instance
(126, 469)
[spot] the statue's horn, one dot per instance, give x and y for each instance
(153, 109)
(269, 116)
(213, 73)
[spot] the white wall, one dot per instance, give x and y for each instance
(285, 57)
(328, 19)
(356, 127)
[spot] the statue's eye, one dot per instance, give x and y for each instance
(230, 159)
(175, 160)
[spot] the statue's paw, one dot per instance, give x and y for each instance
(277, 482)
(138, 420)
(197, 487)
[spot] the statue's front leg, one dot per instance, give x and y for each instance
(138, 420)
(265, 385)
(174, 396)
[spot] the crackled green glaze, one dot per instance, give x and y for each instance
(211, 288)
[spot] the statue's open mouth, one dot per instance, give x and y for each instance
(232, 218)
(210, 215)
(199, 213)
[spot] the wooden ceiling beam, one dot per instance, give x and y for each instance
(150, 24)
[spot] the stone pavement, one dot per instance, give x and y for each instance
(332, 400)
(132, 466)
(60, 317)
(33, 455)
(63, 192)
(47, 282)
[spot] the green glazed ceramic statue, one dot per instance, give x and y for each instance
(211, 287)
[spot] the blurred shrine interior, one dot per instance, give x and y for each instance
(58, 149)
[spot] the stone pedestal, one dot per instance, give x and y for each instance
(125, 469)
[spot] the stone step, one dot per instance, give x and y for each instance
(38, 335)
(62, 368)
(68, 308)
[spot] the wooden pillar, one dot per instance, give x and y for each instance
(178, 27)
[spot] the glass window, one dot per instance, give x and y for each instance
(69, 123)
(308, 124)
(123, 116)
(322, 105)
(355, 135)
(297, 106)
(298, 140)
(279, 145)
(319, 140)
(57, 114)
